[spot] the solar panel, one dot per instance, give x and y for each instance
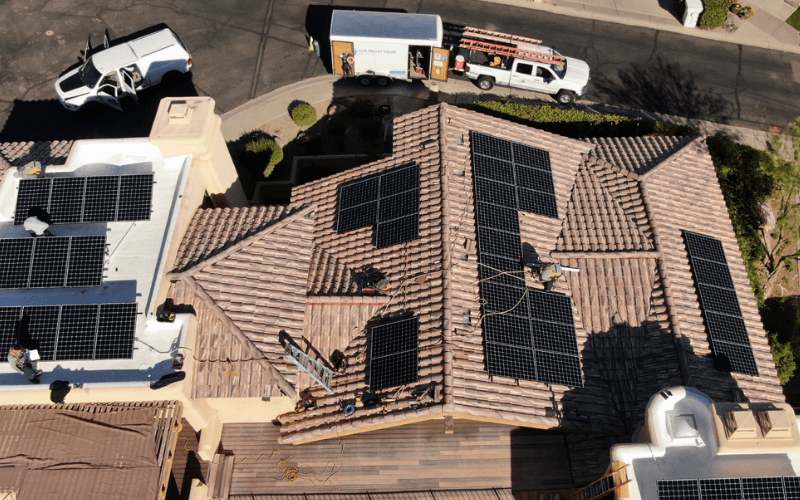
(721, 489)
(86, 258)
(71, 332)
(528, 334)
(678, 489)
(720, 305)
(116, 330)
(15, 262)
(72, 200)
(389, 201)
(102, 194)
(9, 327)
(791, 486)
(49, 262)
(77, 332)
(66, 204)
(394, 354)
(135, 197)
(34, 194)
(762, 488)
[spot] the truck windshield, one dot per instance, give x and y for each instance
(89, 74)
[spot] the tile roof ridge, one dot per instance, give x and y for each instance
(447, 278)
(353, 300)
(204, 297)
(593, 161)
(674, 156)
(661, 266)
(227, 251)
(609, 254)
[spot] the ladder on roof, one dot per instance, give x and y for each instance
(611, 482)
(470, 32)
(503, 50)
(319, 372)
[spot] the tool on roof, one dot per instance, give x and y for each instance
(318, 371)
(470, 32)
(525, 53)
(550, 272)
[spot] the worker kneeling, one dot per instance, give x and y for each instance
(20, 360)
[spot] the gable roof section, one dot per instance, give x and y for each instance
(247, 270)
(684, 195)
(636, 154)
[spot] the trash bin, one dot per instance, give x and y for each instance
(693, 10)
(459, 63)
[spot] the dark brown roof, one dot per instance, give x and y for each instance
(17, 154)
(621, 217)
(78, 451)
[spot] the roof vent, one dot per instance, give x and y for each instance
(775, 424)
(740, 424)
(179, 112)
(684, 426)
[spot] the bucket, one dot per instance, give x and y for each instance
(459, 62)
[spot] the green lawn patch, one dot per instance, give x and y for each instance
(794, 20)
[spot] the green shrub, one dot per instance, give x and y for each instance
(304, 115)
(784, 358)
(369, 129)
(337, 125)
(270, 150)
(674, 129)
(714, 14)
(547, 114)
(363, 107)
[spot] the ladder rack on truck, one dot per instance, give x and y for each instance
(473, 33)
(503, 50)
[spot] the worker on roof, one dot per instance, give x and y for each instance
(20, 360)
(37, 227)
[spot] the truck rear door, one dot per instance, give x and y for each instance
(440, 64)
(341, 52)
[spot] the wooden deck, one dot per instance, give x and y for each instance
(186, 465)
(407, 458)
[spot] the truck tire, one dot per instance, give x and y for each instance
(485, 82)
(565, 97)
(383, 81)
(364, 81)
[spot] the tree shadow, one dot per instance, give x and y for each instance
(662, 87)
(47, 120)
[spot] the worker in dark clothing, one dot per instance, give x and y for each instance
(20, 361)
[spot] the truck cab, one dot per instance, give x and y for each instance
(122, 70)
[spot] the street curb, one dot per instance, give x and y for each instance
(631, 21)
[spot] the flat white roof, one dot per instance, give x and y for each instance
(414, 28)
(135, 260)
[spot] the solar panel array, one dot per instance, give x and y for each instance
(394, 354)
(720, 305)
(529, 334)
(389, 200)
(71, 332)
(745, 488)
(72, 200)
(52, 262)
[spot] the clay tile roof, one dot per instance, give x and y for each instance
(88, 450)
(16, 154)
(620, 216)
(247, 269)
(636, 154)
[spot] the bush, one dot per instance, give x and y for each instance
(304, 115)
(369, 129)
(547, 114)
(269, 149)
(714, 14)
(784, 358)
(674, 129)
(745, 181)
(363, 107)
(337, 125)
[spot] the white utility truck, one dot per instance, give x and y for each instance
(514, 61)
(385, 46)
(123, 69)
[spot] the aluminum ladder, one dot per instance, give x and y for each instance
(319, 372)
(470, 32)
(611, 482)
(527, 54)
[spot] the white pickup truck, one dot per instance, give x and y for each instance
(524, 66)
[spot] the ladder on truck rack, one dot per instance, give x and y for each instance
(470, 32)
(502, 50)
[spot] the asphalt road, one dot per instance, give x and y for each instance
(245, 48)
